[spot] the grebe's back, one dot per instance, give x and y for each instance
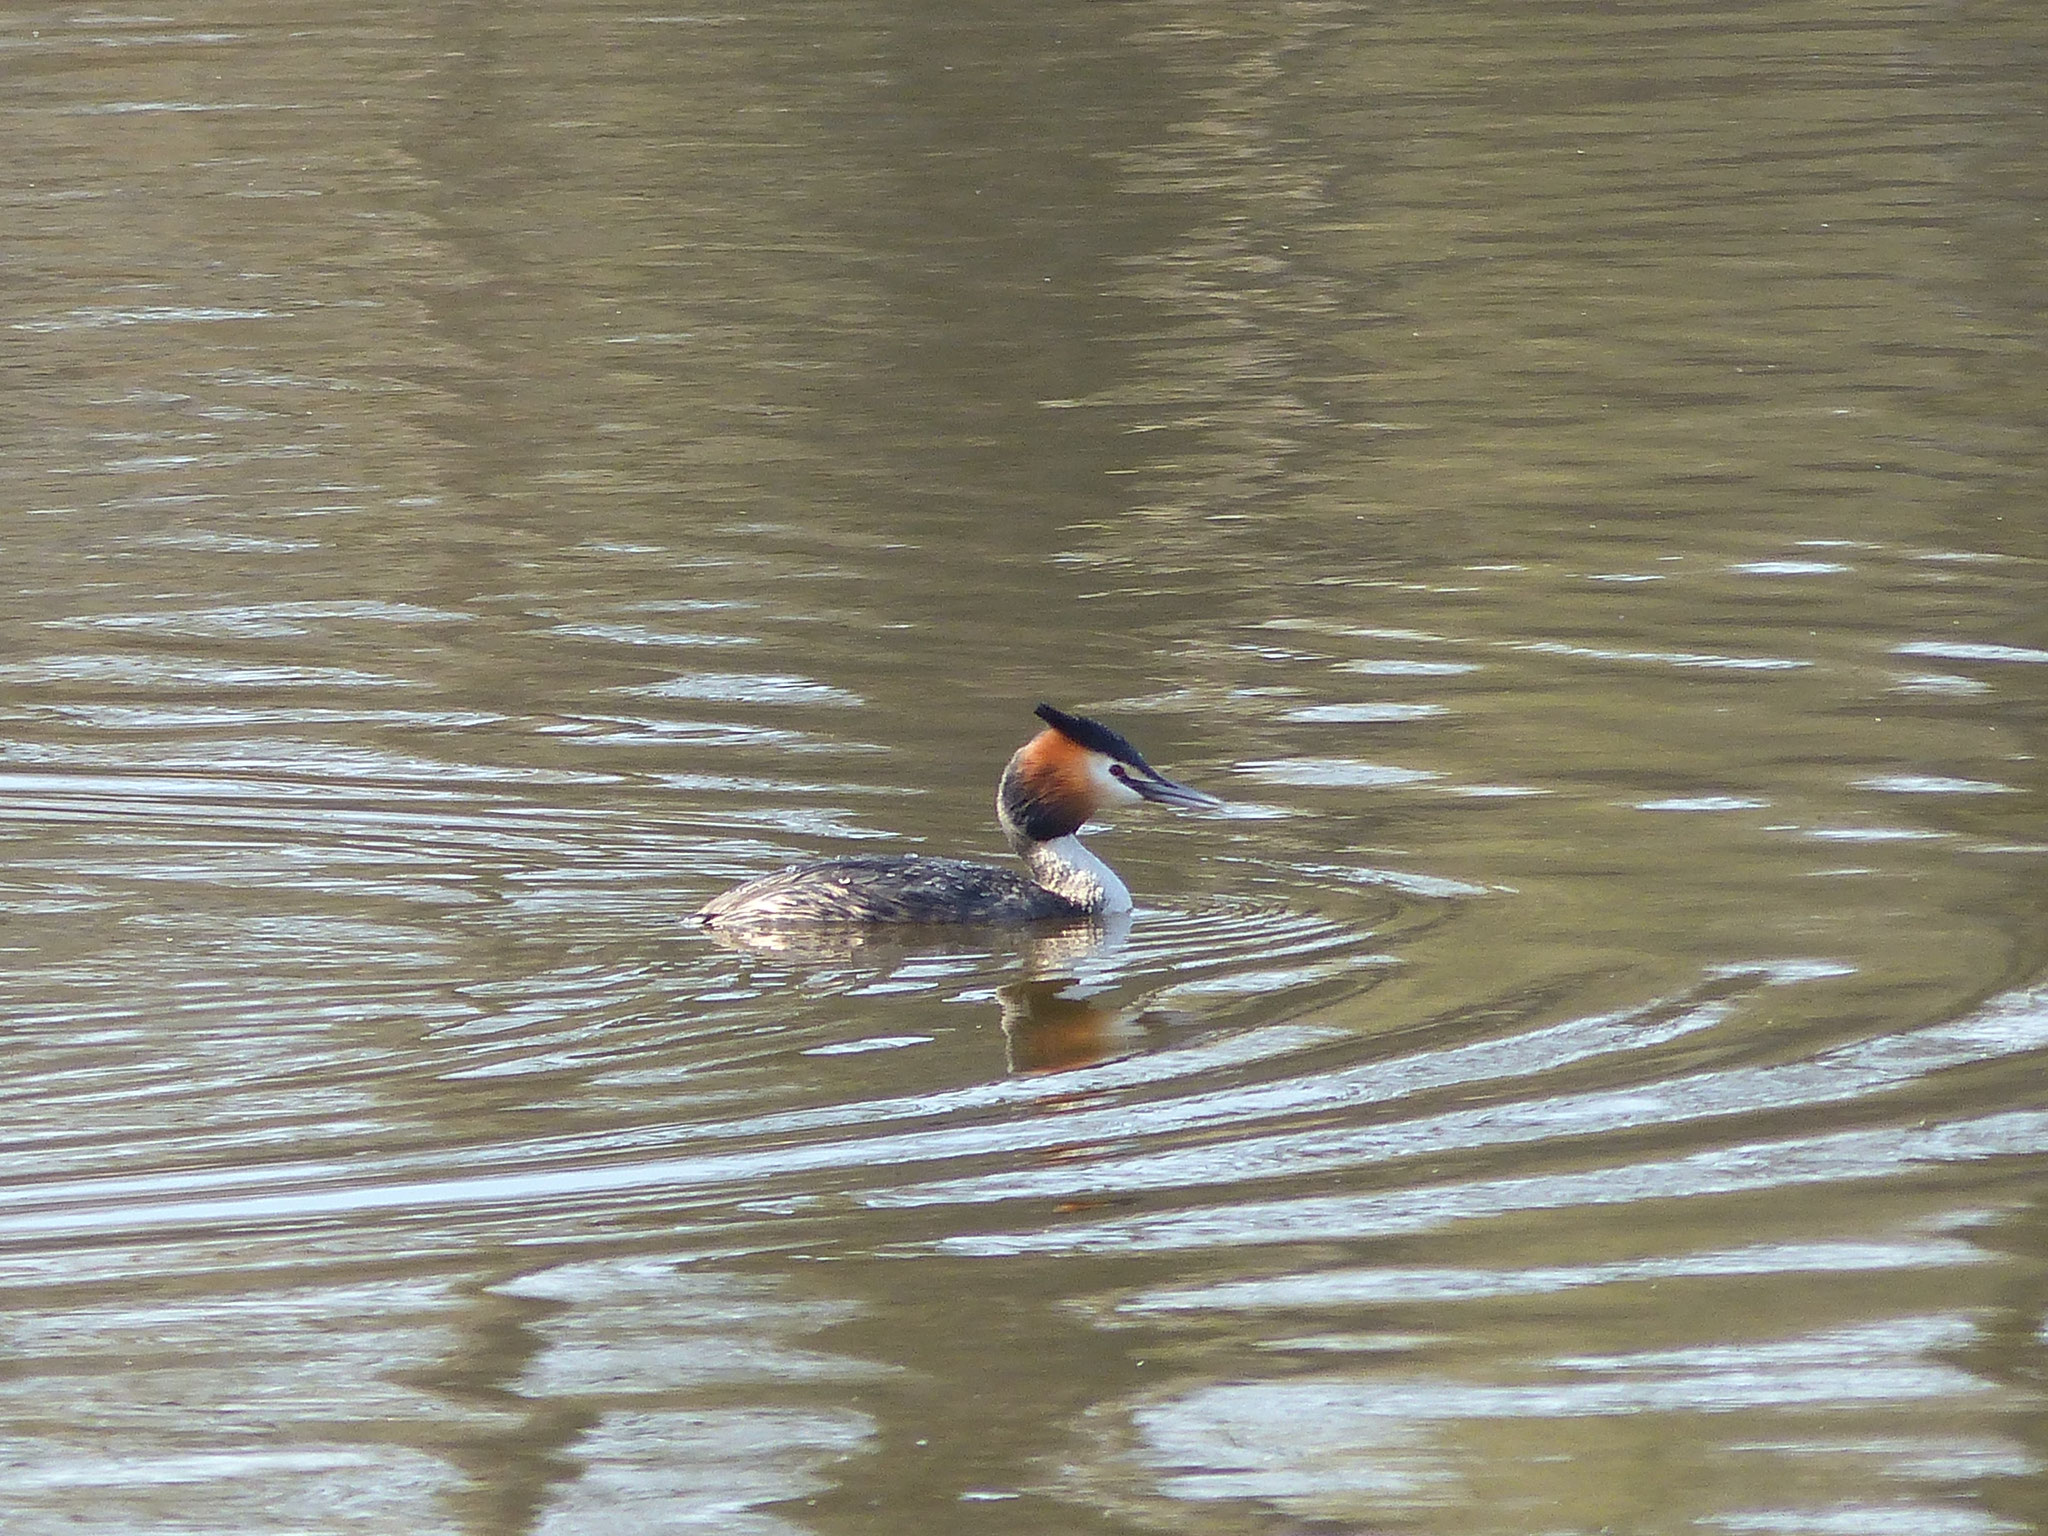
(885, 888)
(1052, 785)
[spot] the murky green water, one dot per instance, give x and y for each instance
(480, 479)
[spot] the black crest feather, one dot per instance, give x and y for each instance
(1093, 735)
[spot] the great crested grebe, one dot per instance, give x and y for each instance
(1054, 783)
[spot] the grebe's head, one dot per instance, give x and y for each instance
(1073, 769)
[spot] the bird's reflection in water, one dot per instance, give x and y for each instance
(1050, 1026)
(1063, 1011)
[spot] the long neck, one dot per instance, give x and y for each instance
(1067, 869)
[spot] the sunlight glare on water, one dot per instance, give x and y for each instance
(482, 481)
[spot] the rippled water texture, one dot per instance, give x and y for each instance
(479, 479)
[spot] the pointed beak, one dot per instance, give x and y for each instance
(1162, 790)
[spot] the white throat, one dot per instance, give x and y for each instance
(1064, 867)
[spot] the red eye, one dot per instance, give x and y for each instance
(1116, 771)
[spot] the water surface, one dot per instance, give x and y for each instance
(481, 480)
